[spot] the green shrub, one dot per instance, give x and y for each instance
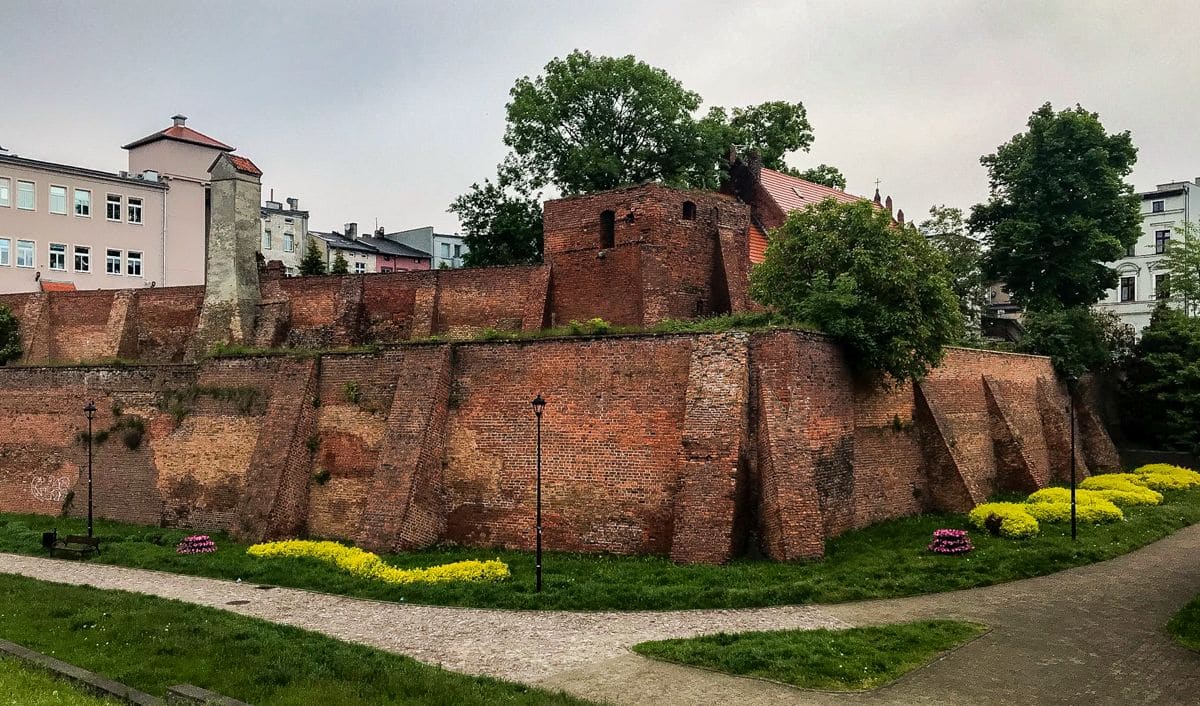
(1063, 495)
(1016, 522)
(350, 390)
(1093, 513)
(1121, 491)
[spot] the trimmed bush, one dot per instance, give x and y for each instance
(1063, 495)
(1121, 492)
(1015, 520)
(1093, 513)
(1164, 476)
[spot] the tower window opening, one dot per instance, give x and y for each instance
(608, 223)
(689, 211)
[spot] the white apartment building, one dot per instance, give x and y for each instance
(1142, 281)
(284, 234)
(447, 250)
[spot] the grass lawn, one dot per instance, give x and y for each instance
(834, 660)
(21, 685)
(152, 643)
(882, 561)
(1185, 626)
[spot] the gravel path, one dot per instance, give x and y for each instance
(1092, 635)
(525, 646)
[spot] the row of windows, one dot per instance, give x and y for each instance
(116, 261)
(1162, 241)
(116, 207)
(1162, 288)
(289, 241)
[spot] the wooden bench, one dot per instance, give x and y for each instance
(76, 546)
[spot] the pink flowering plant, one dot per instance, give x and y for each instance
(950, 541)
(196, 544)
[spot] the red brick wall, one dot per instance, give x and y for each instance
(79, 325)
(166, 320)
(681, 445)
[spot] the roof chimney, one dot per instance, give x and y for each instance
(293, 204)
(351, 230)
(179, 120)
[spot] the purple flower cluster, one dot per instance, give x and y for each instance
(950, 541)
(196, 544)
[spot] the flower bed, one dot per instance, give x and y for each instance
(950, 541)
(364, 564)
(196, 544)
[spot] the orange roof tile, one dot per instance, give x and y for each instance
(181, 133)
(758, 244)
(48, 286)
(244, 165)
(793, 194)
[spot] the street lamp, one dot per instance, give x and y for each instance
(90, 410)
(539, 405)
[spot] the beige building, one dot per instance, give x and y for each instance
(91, 229)
(284, 234)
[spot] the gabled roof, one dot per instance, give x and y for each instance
(244, 165)
(341, 242)
(794, 194)
(180, 133)
(391, 247)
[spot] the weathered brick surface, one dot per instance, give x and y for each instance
(679, 445)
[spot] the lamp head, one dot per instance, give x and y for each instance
(539, 404)
(90, 409)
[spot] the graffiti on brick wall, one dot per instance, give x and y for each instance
(48, 489)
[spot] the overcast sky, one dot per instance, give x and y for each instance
(388, 110)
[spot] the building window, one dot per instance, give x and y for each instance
(457, 251)
(1131, 250)
(445, 249)
(360, 268)
(25, 196)
(266, 240)
(112, 262)
(24, 253)
(133, 263)
(1157, 206)
(5, 255)
(83, 203)
(289, 242)
(1162, 286)
(5, 192)
(58, 256)
(1127, 289)
(608, 225)
(58, 200)
(689, 211)
(135, 210)
(112, 207)
(1162, 239)
(83, 258)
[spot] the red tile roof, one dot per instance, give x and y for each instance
(48, 286)
(244, 165)
(793, 194)
(758, 244)
(180, 133)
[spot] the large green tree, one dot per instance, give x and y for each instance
(1161, 400)
(946, 230)
(1059, 209)
(499, 228)
(821, 174)
(1182, 267)
(880, 289)
(1077, 339)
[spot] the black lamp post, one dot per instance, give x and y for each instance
(539, 405)
(90, 410)
(1071, 418)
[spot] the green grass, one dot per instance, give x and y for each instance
(882, 561)
(1185, 626)
(151, 643)
(834, 660)
(28, 686)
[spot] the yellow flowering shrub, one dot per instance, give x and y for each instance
(1063, 495)
(1121, 489)
(1097, 511)
(1164, 476)
(1015, 520)
(364, 564)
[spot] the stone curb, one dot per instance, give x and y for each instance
(178, 695)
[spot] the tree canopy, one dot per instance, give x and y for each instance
(1059, 209)
(1078, 339)
(947, 231)
(1161, 403)
(1182, 267)
(312, 263)
(340, 266)
(880, 289)
(820, 174)
(10, 336)
(499, 228)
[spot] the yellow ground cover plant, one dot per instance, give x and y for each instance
(1015, 520)
(1121, 489)
(364, 564)
(1164, 476)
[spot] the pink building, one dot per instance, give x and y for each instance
(64, 226)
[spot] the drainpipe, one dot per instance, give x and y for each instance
(163, 234)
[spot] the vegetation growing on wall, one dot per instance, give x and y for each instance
(10, 337)
(179, 403)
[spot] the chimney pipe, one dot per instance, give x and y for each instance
(293, 204)
(179, 120)
(352, 231)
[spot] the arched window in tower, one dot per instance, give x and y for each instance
(689, 211)
(608, 224)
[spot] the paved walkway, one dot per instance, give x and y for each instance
(1088, 635)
